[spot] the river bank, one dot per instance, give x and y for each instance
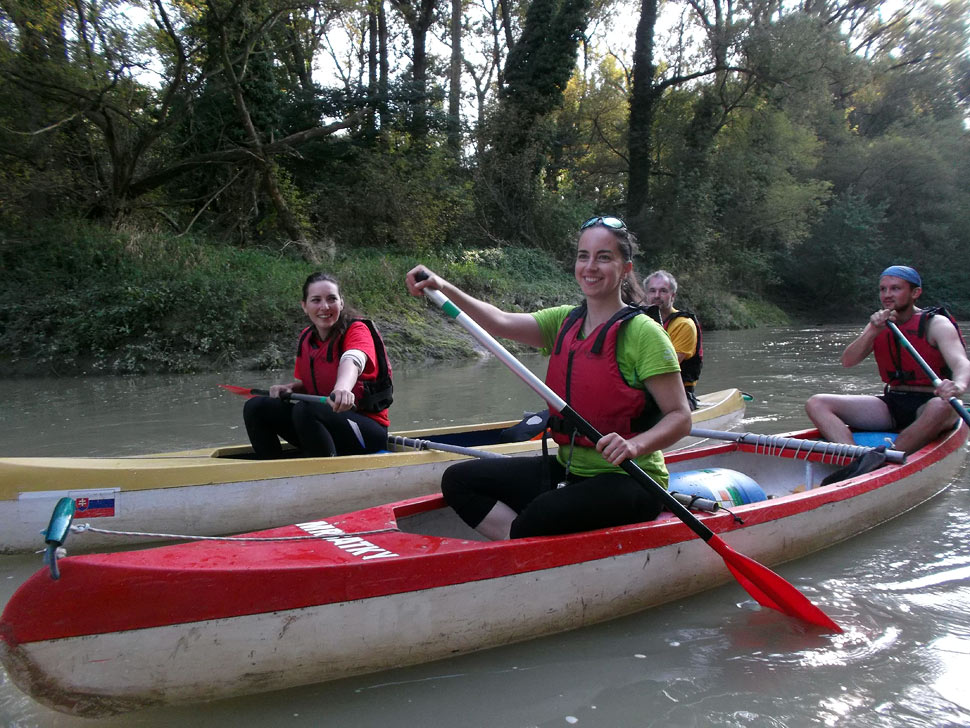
(99, 302)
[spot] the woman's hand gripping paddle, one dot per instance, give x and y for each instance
(954, 402)
(765, 586)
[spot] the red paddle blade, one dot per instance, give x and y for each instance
(769, 589)
(244, 391)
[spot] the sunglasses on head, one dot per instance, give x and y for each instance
(614, 223)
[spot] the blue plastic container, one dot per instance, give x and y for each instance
(874, 439)
(727, 487)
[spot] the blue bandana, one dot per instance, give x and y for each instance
(904, 272)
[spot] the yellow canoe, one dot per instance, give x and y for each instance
(223, 490)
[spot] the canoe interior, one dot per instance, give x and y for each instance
(471, 436)
(778, 476)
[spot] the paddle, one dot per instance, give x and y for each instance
(444, 447)
(248, 392)
(800, 445)
(769, 589)
(954, 402)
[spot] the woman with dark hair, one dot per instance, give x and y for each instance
(340, 356)
(615, 366)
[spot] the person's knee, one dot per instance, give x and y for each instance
(534, 522)
(304, 416)
(939, 412)
(299, 412)
(454, 482)
(817, 405)
(255, 409)
(450, 484)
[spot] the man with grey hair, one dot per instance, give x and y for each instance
(682, 326)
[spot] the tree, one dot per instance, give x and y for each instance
(419, 15)
(518, 133)
(129, 138)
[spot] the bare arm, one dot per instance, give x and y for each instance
(342, 399)
(944, 337)
(667, 391)
(859, 349)
(521, 327)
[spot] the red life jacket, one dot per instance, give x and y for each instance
(316, 367)
(690, 368)
(896, 366)
(585, 373)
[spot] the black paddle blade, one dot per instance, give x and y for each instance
(769, 589)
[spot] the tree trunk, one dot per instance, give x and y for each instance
(418, 18)
(383, 63)
(454, 96)
(643, 109)
(287, 220)
(372, 61)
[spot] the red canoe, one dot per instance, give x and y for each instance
(407, 582)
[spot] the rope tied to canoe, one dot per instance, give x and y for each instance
(834, 453)
(88, 528)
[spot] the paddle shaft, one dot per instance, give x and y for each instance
(293, 395)
(760, 582)
(444, 447)
(795, 443)
(954, 402)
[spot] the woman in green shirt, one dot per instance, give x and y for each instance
(615, 366)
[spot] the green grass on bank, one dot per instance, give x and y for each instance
(76, 299)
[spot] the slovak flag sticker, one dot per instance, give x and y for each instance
(100, 505)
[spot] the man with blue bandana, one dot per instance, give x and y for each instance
(910, 404)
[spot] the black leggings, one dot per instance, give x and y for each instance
(312, 427)
(528, 487)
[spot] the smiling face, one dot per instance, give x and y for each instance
(897, 294)
(323, 305)
(600, 266)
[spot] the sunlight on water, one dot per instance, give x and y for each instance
(954, 662)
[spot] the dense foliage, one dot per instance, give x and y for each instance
(760, 150)
(132, 302)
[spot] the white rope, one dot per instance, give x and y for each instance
(88, 528)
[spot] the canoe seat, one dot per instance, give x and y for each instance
(874, 439)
